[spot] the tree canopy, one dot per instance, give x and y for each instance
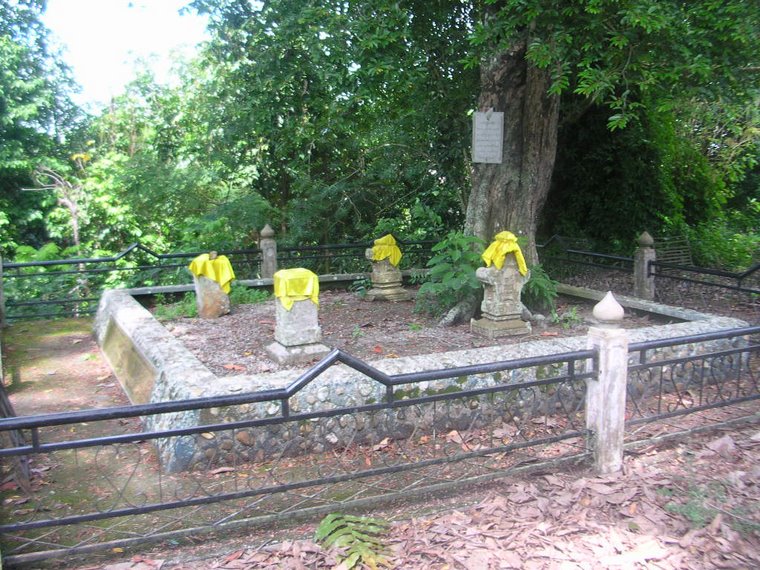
(340, 120)
(36, 117)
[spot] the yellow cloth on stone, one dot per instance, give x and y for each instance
(386, 247)
(504, 243)
(298, 284)
(219, 269)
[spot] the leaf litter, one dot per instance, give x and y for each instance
(637, 519)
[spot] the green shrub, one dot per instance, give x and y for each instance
(718, 244)
(242, 295)
(452, 273)
(184, 308)
(540, 292)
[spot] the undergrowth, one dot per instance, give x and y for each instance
(186, 306)
(700, 504)
(452, 273)
(359, 539)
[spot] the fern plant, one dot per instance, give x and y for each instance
(360, 539)
(540, 292)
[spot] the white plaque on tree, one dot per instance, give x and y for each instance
(487, 136)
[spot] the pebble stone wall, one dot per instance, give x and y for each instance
(179, 375)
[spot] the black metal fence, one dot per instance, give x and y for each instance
(734, 294)
(679, 384)
(72, 287)
(110, 490)
(97, 482)
(724, 292)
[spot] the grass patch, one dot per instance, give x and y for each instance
(700, 504)
(248, 295)
(186, 306)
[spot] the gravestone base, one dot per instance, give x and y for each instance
(301, 354)
(386, 282)
(393, 294)
(496, 329)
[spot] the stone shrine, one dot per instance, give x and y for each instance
(212, 275)
(503, 280)
(386, 276)
(297, 332)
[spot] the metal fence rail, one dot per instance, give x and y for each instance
(418, 441)
(704, 289)
(745, 281)
(72, 287)
(675, 386)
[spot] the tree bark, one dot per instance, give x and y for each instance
(510, 196)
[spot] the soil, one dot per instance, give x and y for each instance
(236, 343)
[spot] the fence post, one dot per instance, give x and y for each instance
(643, 280)
(268, 247)
(605, 396)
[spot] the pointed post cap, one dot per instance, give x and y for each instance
(267, 232)
(608, 311)
(646, 240)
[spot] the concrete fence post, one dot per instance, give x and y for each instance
(606, 395)
(268, 247)
(643, 280)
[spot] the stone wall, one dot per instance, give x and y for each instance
(175, 374)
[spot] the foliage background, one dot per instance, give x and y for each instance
(340, 121)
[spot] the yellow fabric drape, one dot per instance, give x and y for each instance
(504, 243)
(298, 284)
(218, 269)
(386, 247)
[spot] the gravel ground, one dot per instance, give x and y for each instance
(235, 343)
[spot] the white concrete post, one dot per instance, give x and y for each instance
(268, 247)
(605, 396)
(643, 282)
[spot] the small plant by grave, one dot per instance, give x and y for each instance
(184, 308)
(452, 273)
(361, 287)
(567, 319)
(540, 291)
(360, 539)
(240, 295)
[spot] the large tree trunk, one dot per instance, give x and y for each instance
(510, 195)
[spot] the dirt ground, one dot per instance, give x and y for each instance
(687, 505)
(236, 343)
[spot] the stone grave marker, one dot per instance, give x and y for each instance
(386, 276)
(297, 332)
(212, 275)
(502, 280)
